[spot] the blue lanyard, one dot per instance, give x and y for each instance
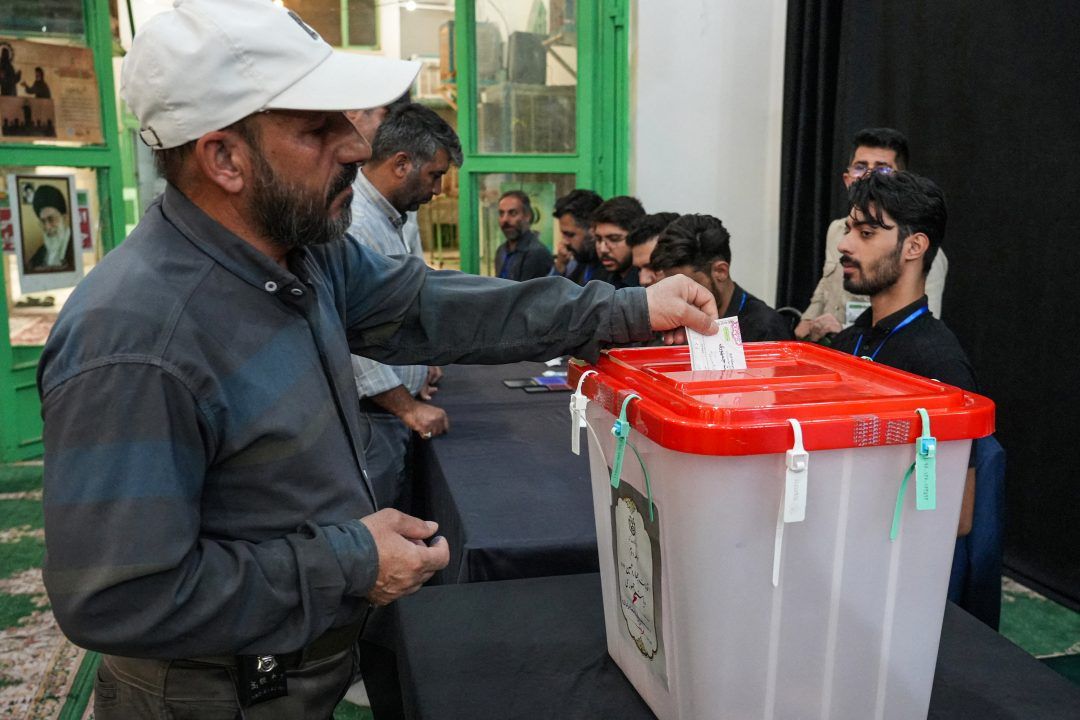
(742, 303)
(906, 321)
(588, 273)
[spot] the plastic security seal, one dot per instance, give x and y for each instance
(621, 430)
(793, 502)
(578, 402)
(925, 466)
(925, 470)
(797, 461)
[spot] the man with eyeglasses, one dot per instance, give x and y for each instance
(832, 308)
(611, 223)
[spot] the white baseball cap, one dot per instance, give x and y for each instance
(207, 63)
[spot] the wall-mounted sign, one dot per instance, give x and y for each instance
(48, 92)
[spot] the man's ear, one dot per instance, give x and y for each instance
(720, 271)
(401, 163)
(915, 246)
(224, 159)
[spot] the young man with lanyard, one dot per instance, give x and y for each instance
(699, 247)
(894, 230)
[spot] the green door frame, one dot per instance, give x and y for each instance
(20, 408)
(603, 135)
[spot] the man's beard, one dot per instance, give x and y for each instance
(882, 275)
(56, 245)
(292, 216)
(587, 254)
(411, 196)
(621, 266)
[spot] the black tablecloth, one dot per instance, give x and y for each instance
(535, 648)
(508, 494)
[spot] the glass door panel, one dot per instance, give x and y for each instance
(526, 67)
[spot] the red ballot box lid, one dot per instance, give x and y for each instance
(839, 400)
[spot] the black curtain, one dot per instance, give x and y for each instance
(988, 93)
(807, 169)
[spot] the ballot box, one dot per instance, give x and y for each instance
(774, 542)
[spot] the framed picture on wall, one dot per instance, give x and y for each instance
(46, 231)
(48, 92)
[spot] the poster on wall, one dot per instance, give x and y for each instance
(46, 237)
(7, 230)
(48, 92)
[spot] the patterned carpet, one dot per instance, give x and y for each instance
(39, 668)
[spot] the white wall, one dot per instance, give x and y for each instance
(705, 114)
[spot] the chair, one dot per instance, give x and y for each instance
(975, 583)
(791, 314)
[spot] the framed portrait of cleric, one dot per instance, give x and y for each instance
(46, 231)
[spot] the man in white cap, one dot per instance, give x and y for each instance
(210, 527)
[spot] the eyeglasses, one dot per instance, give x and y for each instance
(857, 170)
(611, 239)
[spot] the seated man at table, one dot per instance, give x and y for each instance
(642, 241)
(573, 211)
(699, 247)
(522, 256)
(611, 223)
(893, 231)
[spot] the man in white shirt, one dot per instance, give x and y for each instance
(411, 152)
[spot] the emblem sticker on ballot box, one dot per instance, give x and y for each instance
(636, 543)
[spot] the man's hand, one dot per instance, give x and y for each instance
(823, 325)
(678, 301)
(405, 562)
(802, 330)
(431, 383)
(427, 420)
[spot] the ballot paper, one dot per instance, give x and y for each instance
(722, 351)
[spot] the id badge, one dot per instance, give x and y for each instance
(853, 310)
(260, 678)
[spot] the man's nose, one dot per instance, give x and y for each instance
(437, 188)
(351, 146)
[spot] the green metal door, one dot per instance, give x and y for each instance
(99, 165)
(542, 107)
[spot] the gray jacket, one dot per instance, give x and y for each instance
(203, 455)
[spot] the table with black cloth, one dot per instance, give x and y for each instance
(535, 648)
(508, 494)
